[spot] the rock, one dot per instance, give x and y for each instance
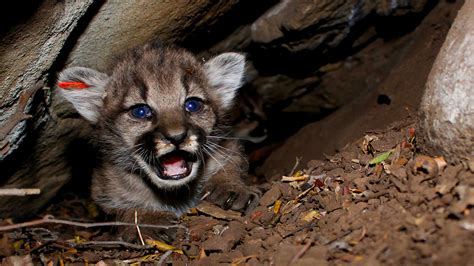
(200, 225)
(295, 44)
(446, 182)
(272, 241)
(252, 247)
(285, 253)
(316, 255)
(36, 152)
(447, 109)
(120, 25)
(336, 172)
(62, 151)
(217, 212)
(298, 25)
(401, 83)
(270, 196)
(239, 40)
(227, 240)
(466, 198)
(29, 48)
(259, 233)
(311, 262)
(277, 88)
(18, 260)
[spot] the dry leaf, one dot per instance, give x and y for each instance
(294, 178)
(366, 145)
(311, 215)
(277, 206)
(425, 164)
(441, 163)
(216, 212)
(163, 246)
(380, 158)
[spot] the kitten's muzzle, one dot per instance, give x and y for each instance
(177, 139)
(175, 165)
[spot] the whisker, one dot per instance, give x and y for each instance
(228, 158)
(221, 149)
(200, 154)
(226, 149)
(217, 161)
(224, 156)
(224, 137)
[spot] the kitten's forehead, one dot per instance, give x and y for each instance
(159, 76)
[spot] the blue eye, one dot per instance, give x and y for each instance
(193, 105)
(141, 111)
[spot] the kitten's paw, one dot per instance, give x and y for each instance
(233, 195)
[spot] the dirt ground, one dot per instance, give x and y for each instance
(390, 75)
(377, 201)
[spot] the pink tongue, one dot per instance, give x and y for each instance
(174, 165)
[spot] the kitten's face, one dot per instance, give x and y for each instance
(157, 112)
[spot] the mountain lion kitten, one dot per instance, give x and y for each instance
(160, 124)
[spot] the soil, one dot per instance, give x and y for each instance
(355, 207)
(377, 200)
(389, 73)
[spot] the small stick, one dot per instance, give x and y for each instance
(19, 191)
(300, 196)
(294, 178)
(138, 229)
(164, 256)
(298, 159)
(109, 244)
(301, 252)
(49, 219)
(19, 116)
(307, 226)
(205, 195)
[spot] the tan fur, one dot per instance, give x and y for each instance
(132, 149)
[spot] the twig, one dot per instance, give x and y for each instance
(205, 195)
(17, 117)
(49, 219)
(19, 191)
(302, 251)
(364, 231)
(298, 160)
(294, 178)
(307, 226)
(138, 229)
(240, 260)
(164, 256)
(300, 196)
(20, 108)
(109, 244)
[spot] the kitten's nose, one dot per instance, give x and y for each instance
(177, 138)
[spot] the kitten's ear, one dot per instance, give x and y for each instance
(84, 88)
(225, 73)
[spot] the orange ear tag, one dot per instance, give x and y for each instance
(73, 85)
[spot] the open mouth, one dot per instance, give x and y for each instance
(176, 165)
